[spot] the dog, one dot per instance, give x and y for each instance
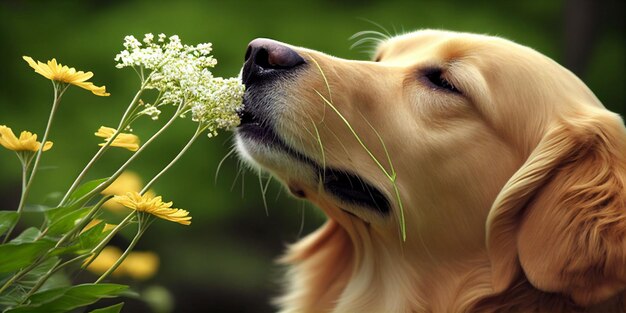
(459, 173)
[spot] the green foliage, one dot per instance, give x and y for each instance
(7, 218)
(13, 296)
(65, 299)
(83, 190)
(15, 255)
(63, 219)
(110, 309)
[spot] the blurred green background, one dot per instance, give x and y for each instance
(223, 262)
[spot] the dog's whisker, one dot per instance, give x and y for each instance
(278, 193)
(233, 149)
(239, 170)
(263, 193)
(243, 184)
(301, 230)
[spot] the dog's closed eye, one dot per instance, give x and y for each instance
(433, 77)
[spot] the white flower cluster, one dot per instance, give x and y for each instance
(181, 75)
(217, 108)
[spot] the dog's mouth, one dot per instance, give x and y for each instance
(344, 185)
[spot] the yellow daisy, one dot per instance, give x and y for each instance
(128, 181)
(62, 73)
(107, 257)
(141, 265)
(154, 206)
(123, 140)
(26, 142)
(95, 222)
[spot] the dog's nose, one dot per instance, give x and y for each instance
(265, 57)
(270, 54)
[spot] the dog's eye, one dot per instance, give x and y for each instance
(434, 77)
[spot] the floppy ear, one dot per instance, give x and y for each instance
(562, 217)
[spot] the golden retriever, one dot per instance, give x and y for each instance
(459, 173)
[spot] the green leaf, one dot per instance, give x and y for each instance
(90, 238)
(29, 280)
(85, 189)
(7, 218)
(29, 235)
(65, 299)
(53, 215)
(86, 240)
(14, 256)
(110, 309)
(17, 291)
(66, 222)
(36, 208)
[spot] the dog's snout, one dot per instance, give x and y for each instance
(270, 54)
(267, 56)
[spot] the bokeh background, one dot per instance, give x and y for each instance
(224, 261)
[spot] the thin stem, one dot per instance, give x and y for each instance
(132, 158)
(51, 272)
(103, 149)
(119, 261)
(96, 251)
(391, 176)
(17, 276)
(195, 136)
(26, 188)
(83, 222)
(40, 282)
(79, 226)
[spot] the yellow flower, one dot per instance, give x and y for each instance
(26, 142)
(123, 140)
(154, 206)
(62, 73)
(138, 265)
(107, 257)
(128, 181)
(95, 222)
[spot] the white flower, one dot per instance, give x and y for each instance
(181, 73)
(148, 38)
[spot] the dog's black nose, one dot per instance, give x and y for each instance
(265, 56)
(270, 54)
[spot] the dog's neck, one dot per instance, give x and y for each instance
(371, 273)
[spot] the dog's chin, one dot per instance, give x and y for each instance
(264, 155)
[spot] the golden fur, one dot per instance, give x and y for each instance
(513, 190)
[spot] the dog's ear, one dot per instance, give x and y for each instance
(561, 218)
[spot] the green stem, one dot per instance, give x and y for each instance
(195, 136)
(40, 282)
(96, 251)
(132, 158)
(79, 226)
(119, 261)
(84, 221)
(104, 148)
(17, 276)
(25, 191)
(51, 272)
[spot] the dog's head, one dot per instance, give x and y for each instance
(466, 142)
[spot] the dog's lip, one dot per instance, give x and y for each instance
(247, 117)
(344, 185)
